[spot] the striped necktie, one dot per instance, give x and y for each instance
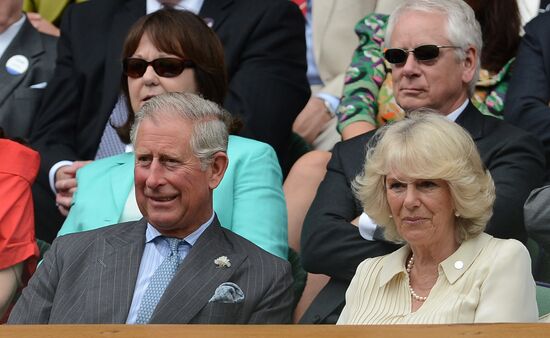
(159, 281)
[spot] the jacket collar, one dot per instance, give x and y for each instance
(472, 120)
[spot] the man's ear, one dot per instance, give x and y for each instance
(217, 168)
(469, 64)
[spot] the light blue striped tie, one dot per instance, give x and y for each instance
(159, 281)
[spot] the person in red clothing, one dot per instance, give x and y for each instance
(18, 249)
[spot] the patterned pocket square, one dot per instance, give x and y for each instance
(227, 293)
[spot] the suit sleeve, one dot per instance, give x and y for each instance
(330, 244)
(259, 209)
(276, 305)
(55, 124)
(517, 168)
(35, 304)
(268, 87)
(537, 216)
(528, 96)
(513, 300)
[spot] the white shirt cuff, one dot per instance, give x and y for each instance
(333, 101)
(366, 227)
(53, 170)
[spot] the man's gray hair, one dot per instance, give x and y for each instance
(210, 121)
(463, 30)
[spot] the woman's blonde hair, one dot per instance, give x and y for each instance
(427, 145)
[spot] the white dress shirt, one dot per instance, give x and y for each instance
(7, 36)
(190, 5)
(156, 250)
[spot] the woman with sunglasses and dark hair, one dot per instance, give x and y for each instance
(175, 51)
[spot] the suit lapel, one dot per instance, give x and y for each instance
(198, 277)
(117, 268)
(216, 10)
(472, 120)
(27, 43)
(124, 18)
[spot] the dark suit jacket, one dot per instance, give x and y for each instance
(89, 277)
(332, 246)
(264, 47)
(18, 101)
(528, 95)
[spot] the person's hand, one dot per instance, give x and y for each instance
(65, 185)
(42, 25)
(309, 123)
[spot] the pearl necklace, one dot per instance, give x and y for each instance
(410, 264)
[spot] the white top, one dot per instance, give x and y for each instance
(485, 280)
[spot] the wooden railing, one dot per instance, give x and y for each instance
(299, 331)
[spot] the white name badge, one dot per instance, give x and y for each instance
(17, 65)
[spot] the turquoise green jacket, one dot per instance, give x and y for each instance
(249, 200)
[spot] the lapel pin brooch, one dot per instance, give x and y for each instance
(222, 262)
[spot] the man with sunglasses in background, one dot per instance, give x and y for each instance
(264, 48)
(433, 47)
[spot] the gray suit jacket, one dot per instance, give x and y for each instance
(537, 216)
(18, 101)
(89, 277)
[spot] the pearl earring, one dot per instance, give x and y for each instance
(457, 215)
(391, 216)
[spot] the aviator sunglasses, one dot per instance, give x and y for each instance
(165, 67)
(421, 53)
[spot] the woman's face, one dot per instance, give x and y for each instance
(422, 210)
(151, 84)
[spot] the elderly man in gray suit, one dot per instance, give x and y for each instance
(177, 264)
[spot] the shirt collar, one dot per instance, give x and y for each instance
(151, 233)
(7, 36)
(458, 263)
(453, 267)
(455, 114)
(190, 5)
(394, 264)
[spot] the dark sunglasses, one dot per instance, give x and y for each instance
(421, 53)
(165, 67)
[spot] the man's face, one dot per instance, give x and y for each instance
(172, 191)
(440, 83)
